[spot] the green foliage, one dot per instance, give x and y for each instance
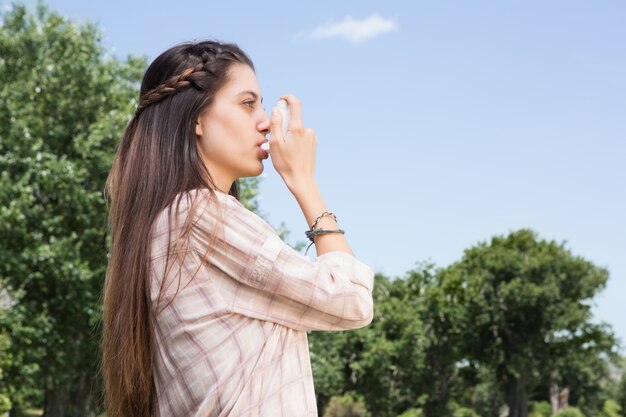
(63, 105)
(521, 306)
(5, 403)
(465, 412)
(5, 361)
(386, 362)
(621, 393)
(249, 192)
(477, 385)
(465, 334)
(64, 102)
(611, 409)
(540, 409)
(347, 405)
(376, 368)
(413, 412)
(329, 363)
(570, 412)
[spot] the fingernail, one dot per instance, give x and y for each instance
(274, 112)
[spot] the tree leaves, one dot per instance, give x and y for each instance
(506, 315)
(63, 105)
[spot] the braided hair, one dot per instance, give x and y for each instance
(157, 160)
(200, 75)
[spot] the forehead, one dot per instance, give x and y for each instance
(241, 78)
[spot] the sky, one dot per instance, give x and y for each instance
(440, 123)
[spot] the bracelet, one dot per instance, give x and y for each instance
(318, 218)
(314, 231)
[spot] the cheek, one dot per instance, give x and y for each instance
(220, 142)
(213, 130)
(225, 134)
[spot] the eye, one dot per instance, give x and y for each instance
(249, 103)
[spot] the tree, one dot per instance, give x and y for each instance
(621, 391)
(521, 307)
(384, 352)
(347, 405)
(64, 102)
(63, 105)
(5, 361)
(435, 303)
(364, 361)
(402, 361)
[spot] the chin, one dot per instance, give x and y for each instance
(260, 170)
(256, 171)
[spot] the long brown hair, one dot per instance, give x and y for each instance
(157, 159)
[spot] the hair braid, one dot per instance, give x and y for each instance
(173, 85)
(198, 76)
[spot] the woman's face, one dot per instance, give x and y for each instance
(232, 129)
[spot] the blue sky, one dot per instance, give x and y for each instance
(440, 124)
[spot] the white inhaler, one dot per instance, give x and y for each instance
(283, 107)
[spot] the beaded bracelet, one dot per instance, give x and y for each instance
(318, 218)
(314, 231)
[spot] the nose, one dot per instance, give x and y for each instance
(264, 124)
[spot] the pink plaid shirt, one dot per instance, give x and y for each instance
(233, 342)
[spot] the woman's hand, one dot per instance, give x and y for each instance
(293, 155)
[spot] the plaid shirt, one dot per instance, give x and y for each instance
(232, 342)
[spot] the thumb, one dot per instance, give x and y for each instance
(276, 125)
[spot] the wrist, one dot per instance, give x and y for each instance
(302, 186)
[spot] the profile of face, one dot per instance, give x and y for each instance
(231, 130)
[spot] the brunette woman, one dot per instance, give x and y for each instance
(205, 308)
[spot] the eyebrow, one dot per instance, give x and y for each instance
(255, 95)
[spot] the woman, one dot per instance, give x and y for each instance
(205, 308)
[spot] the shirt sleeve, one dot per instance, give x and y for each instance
(273, 281)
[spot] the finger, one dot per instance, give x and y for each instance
(276, 133)
(295, 110)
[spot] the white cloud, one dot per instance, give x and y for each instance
(352, 29)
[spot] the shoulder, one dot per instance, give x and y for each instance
(209, 208)
(206, 213)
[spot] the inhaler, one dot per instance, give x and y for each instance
(283, 107)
